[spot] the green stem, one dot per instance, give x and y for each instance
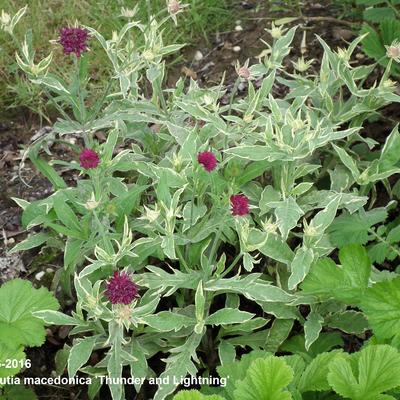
(182, 259)
(215, 242)
(381, 239)
(232, 265)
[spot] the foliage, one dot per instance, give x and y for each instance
(200, 19)
(381, 29)
(362, 375)
(19, 328)
(250, 227)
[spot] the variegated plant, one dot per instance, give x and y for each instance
(203, 237)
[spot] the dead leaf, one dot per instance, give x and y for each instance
(189, 72)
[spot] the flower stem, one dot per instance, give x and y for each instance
(232, 265)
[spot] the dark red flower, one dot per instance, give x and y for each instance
(89, 159)
(74, 40)
(207, 160)
(121, 289)
(240, 204)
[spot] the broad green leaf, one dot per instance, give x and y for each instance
(377, 371)
(18, 301)
(195, 395)
(266, 379)
(377, 14)
(353, 228)
(18, 392)
(10, 353)
(346, 282)
(381, 305)
(348, 321)
(236, 371)
(314, 377)
(325, 342)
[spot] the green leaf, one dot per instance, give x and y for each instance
(18, 392)
(195, 395)
(287, 214)
(346, 282)
(30, 242)
(251, 287)
(236, 371)
(10, 353)
(381, 305)
(48, 171)
(270, 245)
(80, 353)
(372, 44)
(325, 342)
(377, 14)
(65, 213)
(52, 317)
(166, 321)
(18, 301)
(227, 316)
(266, 379)
(377, 371)
(312, 328)
(226, 352)
(347, 161)
(258, 153)
(348, 321)
(300, 266)
(353, 228)
(315, 376)
(278, 333)
(390, 153)
(179, 364)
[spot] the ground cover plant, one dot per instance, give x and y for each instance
(242, 239)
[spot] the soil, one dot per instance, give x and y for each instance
(218, 55)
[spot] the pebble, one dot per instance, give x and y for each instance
(236, 49)
(39, 275)
(198, 55)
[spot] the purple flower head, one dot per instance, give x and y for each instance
(121, 289)
(89, 159)
(207, 160)
(240, 204)
(74, 40)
